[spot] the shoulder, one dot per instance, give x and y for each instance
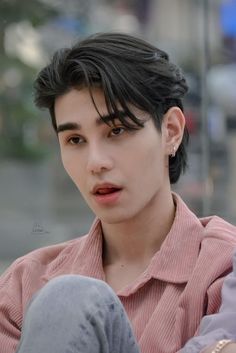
(218, 229)
(215, 259)
(30, 272)
(47, 256)
(212, 228)
(219, 240)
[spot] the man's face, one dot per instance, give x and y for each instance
(120, 173)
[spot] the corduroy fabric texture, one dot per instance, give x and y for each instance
(165, 304)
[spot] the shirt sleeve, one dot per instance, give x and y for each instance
(18, 284)
(16, 287)
(10, 313)
(220, 325)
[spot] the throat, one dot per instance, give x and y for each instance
(121, 275)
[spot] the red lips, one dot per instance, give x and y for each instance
(103, 189)
(106, 194)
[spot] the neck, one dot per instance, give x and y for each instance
(136, 240)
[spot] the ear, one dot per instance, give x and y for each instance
(173, 129)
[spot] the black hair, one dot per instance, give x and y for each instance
(129, 71)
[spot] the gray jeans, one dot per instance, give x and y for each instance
(76, 314)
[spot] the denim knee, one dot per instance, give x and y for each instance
(75, 292)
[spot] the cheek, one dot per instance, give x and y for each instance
(153, 157)
(70, 166)
(153, 165)
(66, 162)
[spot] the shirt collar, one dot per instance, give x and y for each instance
(175, 260)
(91, 252)
(177, 257)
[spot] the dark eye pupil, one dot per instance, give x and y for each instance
(117, 130)
(75, 139)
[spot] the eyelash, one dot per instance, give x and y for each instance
(110, 134)
(118, 128)
(70, 140)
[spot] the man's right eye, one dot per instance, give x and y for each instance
(75, 140)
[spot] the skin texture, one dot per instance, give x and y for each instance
(94, 153)
(98, 153)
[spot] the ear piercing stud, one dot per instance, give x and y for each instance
(173, 151)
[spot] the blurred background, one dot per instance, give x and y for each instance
(39, 205)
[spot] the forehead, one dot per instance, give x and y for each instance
(85, 106)
(78, 101)
(78, 108)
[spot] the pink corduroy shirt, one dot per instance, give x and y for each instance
(165, 304)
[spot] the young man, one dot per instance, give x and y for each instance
(116, 106)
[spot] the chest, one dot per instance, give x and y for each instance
(163, 316)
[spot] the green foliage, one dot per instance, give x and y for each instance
(17, 110)
(16, 149)
(34, 11)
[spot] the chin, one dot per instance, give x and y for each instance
(114, 218)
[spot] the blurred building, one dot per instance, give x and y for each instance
(39, 205)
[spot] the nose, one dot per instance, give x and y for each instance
(99, 160)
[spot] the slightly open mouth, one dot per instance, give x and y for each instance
(107, 191)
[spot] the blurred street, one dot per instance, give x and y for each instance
(37, 208)
(39, 205)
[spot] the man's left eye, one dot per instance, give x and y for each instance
(117, 131)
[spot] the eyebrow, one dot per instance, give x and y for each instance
(103, 119)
